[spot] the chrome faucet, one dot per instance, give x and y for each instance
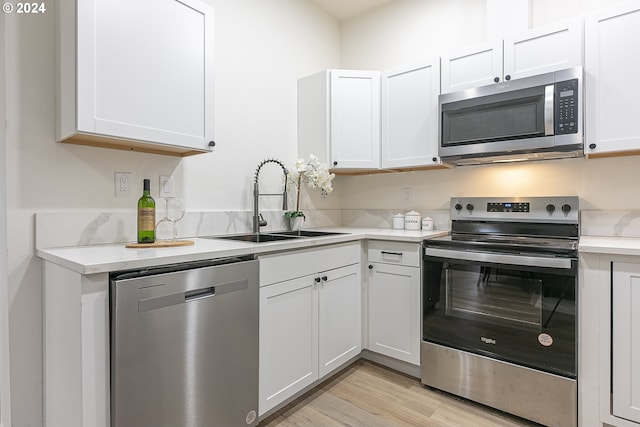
(258, 220)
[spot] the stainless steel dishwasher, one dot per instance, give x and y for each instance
(184, 345)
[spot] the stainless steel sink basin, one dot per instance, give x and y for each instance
(275, 236)
(255, 238)
(308, 233)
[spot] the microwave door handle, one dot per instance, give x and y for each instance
(549, 93)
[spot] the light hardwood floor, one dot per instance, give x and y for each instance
(368, 395)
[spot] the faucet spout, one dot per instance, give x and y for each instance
(258, 220)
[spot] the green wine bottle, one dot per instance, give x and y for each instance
(146, 215)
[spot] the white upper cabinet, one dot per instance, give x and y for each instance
(410, 116)
(612, 84)
(541, 50)
(339, 118)
(136, 75)
(472, 67)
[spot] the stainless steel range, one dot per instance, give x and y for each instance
(499, 306)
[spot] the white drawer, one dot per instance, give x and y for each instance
(283, 266)
(399, 253)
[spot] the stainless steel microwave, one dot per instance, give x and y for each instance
(539, 117)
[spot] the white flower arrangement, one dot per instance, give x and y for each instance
(314, 174)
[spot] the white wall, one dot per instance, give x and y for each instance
(262, 47)
(5, 413)
(399, 33)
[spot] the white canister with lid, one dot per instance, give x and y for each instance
(427, 223)
(412, 221)
(398, 222)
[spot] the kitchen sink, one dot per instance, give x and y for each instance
(275, 236)
(255, 238)
(307, 233)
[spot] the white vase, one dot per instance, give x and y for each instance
(295, 223)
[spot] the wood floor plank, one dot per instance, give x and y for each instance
(368, 395)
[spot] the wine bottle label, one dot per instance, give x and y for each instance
(146, 219)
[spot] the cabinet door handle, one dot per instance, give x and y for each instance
(496, 79)
(317, 279)
(370, 267)
(391, 253)
(507, 77)
(325, 278)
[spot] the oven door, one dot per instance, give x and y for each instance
(511, 307)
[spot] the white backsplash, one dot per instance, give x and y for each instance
(619, 223)
(58, 229)
(81, 228)
(382, 218)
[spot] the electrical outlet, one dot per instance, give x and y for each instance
(166, 186)
(123, 184)
(407, 193)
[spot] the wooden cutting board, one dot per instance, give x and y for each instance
(161, 244)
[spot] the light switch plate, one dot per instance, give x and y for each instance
(166, 186)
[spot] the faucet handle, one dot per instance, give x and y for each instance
(262, 222)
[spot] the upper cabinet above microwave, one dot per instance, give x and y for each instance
(541, 50)
(136, 75)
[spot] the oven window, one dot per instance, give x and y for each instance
(523, 315)
(494, 294)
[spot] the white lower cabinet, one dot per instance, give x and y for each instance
(626, 341)
(310, 324)
(394, 300)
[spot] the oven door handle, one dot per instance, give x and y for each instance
(523, 260)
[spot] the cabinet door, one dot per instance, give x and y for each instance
(146, 74)
(543, 50)
(472, 67)
(355, 119)
(410, 115)
(626, 340)
(339, 322)
(288, 340)
(612, 82)
(394, 311)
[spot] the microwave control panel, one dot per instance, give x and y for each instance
(566, 96)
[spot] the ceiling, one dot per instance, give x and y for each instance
(344, 9)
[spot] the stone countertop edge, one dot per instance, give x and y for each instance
(609, 245)
(94, 259)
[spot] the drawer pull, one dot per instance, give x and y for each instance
(391, 253)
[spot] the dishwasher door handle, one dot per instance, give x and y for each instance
(163, 301)
(199, 294)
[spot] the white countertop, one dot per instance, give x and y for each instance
(105, 258)
(609, 245)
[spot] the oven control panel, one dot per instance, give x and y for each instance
(535, 209)
(508, 206)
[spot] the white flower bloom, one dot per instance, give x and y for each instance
(312, 172)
